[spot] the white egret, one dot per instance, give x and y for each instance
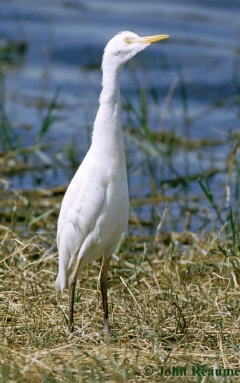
(95, 208)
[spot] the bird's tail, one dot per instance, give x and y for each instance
(59, 284)
(62, 277)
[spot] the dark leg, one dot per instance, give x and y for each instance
(72, 284)
(103, 282)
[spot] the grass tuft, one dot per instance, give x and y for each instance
(173, 300)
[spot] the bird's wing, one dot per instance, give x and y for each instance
(81, 206)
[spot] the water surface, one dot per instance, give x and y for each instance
(199, 65)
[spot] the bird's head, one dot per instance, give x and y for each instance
(125, 45)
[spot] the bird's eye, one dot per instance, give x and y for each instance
(127, 40)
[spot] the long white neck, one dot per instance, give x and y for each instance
(107, 139)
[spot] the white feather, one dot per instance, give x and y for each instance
(95, 208)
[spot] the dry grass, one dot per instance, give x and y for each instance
(174, 301)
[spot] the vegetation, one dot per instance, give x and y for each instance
(174, 289)
(174, 301)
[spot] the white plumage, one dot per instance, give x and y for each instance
(94, 211)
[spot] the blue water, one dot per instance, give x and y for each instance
(65, 46)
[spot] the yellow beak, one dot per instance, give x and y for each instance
(153, 39)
